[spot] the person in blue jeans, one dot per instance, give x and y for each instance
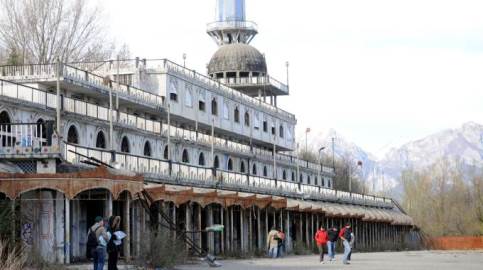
(346, 236)
(333, 236)
(102, 236)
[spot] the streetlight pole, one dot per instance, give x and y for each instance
(320, 163)
(184, 59)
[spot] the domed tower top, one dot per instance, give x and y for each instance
(236, 63)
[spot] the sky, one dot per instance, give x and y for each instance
(381, 73)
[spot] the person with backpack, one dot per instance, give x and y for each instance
(345, 236)
(97, 239)
(321, 238)
(112, 247)
(333, 236)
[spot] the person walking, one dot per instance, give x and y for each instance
(112, 246)
(333, 236)
(97, 238)
(321, 238)
(281, 243)
(345, 236)
(353, 239)
(272, 243)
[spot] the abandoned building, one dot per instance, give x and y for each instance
(212, 149)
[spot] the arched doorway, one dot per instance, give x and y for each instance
(125, 148)
(147, 149)
(101, 140)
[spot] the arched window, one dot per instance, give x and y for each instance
(72, 135)
(293, 177)
(280, 131)
(41, 130)
(230, 165)
(125, 145)
(322, 181)
(254, 169)
(265, 172)
(316, 182)
(214, 107)
(216, 163)
(242, 167)
(185, 157)
(147, 149)
(236, 115)
(284, 175)
(201, 159)
(5, 119)
(247, 119)
(165, 152)
(308, 179)
(100, 140)
(301, 178)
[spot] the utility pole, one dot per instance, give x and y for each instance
(59, 101)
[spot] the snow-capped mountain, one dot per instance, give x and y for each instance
(464, 144)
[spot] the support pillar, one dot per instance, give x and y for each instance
(188, 222)
(232, 248)
(67, 231)
(222, 236)
(250, 229)
(200, 239)
(288, 235)
(127, 228)
(242, 230)
(307, 238)
(259, 230)
(12, 222)
(108, 209)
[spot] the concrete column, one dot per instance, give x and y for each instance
(242, 230)
(288, 235)
(222, 236)
(173, 217)
(200, 239)
(67, 231)
(188, 222)
(232, 245)
(127, 229)
(108, 209)
(12, 222)
(250, 229)
(259, 230)
(209, 222)
(300, 228)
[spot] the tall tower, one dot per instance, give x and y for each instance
(236, 63)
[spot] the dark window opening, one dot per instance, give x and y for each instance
(242, 167)
(216, 163)
(247, 119)
(201, 159)
(72, 135)
(214, 107)
(265, 126)
(165, 152)
(201, 106)
(265, 172)
(284, 175)
(101, 140)
(173, 97)
(254, 169)
(237, 115)
(230, 165)
(185, 157)
(280, 131)
(293, 177)
(125, 145)
(147, 149)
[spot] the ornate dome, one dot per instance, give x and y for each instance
(237, 57)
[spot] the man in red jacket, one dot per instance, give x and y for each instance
(321, 239)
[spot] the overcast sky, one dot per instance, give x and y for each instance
(379, 72)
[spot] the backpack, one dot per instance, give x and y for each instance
(92, 242)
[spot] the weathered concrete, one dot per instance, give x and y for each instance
(416, 260)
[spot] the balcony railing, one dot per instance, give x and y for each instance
(257, 80)
(231, 24)
(48, 72)
(190, 174)
(27, 139)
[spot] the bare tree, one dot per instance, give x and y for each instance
(43, 30)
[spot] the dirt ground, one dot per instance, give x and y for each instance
(417, 260)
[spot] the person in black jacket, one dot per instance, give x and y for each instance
(333, 236)
(112, 248)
